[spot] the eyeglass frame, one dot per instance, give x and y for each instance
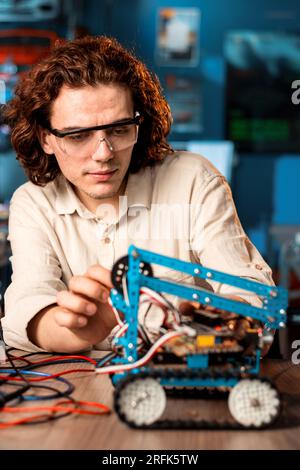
(137, 119)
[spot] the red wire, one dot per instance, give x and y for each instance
(7, 424)
(102, 409)
(51, 359)
(60, 358)
(19, 358)
(59, 407)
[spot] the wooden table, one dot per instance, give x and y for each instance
(107, 432)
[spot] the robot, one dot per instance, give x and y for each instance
(215, 348)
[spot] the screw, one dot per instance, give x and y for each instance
(196, 270)
(207, 300)
(135, 254)
(209, 275)
(282, 311)
(195, 296)
(255, 403)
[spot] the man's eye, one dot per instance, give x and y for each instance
(78, 137)
(119, 131)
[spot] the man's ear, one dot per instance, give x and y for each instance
(46, 141)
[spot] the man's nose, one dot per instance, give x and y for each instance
(103, 150)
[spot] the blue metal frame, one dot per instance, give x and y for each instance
(272, 313)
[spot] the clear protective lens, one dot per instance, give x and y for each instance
(85, 144)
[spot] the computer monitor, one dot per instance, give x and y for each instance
(219, 153)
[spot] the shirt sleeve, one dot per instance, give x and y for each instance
(219, 242)
(36, 277)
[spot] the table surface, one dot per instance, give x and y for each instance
(107, 432)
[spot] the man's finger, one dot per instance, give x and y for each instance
(100, 274)
(70, 319)
(76, 303)
(88, 287)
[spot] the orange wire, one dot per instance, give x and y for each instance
(21, 421)
(102, 409)
(59, 407)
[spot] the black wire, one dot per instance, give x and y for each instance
(6, 397)
(17, 371)
(58, 393)
(70, 387)
(145, 333)
(61, 361)
(104, 360)
(9, 350)
(28, 385)
(56, 416)
(20, 393)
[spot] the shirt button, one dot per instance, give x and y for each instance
(258, 266)
(106, 240)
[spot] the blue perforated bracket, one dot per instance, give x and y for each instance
(272, 313)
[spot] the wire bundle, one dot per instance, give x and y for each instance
(169, 329)
(28, 385)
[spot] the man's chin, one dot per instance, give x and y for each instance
(102, 195)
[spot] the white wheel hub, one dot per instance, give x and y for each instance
(253, 402)
(142, 401)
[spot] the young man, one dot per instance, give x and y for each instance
(89, 125)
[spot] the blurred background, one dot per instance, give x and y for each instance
(231, 73)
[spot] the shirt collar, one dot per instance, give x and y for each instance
(138, 192)
(139, 188)
(66, 201)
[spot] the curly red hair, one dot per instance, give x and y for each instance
(85, 61)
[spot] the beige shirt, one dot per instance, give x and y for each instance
(181, 208)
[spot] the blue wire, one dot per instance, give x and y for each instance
(105, 359)
(70, 387)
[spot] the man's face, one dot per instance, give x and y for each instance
(98, 176)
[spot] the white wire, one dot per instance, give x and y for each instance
(116, 313)
(139, 363)
(155, 295)
(125, 290)
(160, 301)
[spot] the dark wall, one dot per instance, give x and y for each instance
(264, 186)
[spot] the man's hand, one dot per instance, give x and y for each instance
(82, 316)
(84, 307)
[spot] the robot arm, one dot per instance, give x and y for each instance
(132, 273)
